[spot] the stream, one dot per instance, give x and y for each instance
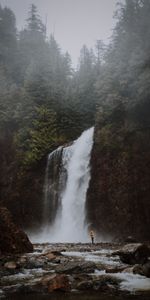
(91, 272)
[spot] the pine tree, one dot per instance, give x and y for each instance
(32, 42)
(8, 42)
(34, 23)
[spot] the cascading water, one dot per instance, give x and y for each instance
(52, 186)
(67, 224)
(70, 223)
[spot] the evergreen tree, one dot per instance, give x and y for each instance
(34, 23)
(32, 42)
(8, 42)
(84, 90)
(126, 73)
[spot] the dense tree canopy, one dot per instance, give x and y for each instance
(45, 103)
(126, 72)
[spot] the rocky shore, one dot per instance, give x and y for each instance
(112, 270)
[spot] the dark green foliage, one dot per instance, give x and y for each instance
(39, 137)
(43, 103)
(8, 43)
(126, 72)
(36, 78)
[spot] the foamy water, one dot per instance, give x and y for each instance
(129, 282)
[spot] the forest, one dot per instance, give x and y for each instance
(45, 103)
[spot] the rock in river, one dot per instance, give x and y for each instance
(76, 267)
(142, 269)
(56, 282)
(134, 254)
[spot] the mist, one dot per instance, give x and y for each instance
(73, 23)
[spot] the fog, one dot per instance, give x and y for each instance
(73, 22)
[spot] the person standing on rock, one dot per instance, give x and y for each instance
(92, 236)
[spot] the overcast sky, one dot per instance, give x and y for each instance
(73, 22)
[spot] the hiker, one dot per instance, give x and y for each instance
(92, 236)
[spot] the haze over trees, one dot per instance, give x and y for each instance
(44, 103)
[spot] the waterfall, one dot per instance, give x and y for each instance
(52, 186)
(66, 184)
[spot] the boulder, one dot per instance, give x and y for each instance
(50, 256)
(146, 269)
(12, 238)
(101, 283)
(56, 282)
(76, 267)
(10, 265)
(134, 254)
(137, 269)
(142, 269)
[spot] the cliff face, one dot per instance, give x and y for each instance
(118, 199)
(12, 238)
(22, 191)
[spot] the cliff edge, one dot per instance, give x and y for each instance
(118, 197)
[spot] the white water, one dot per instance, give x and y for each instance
(129, 281)
(69, 225)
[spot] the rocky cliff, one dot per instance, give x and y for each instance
(12, 238)
(21, 190)
(118, 203)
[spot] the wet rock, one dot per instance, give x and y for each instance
(35, 263)
(50, 256)
(128, 270)
(85, 285)
(137, 269)
(114, 270)
(12, 238)
(146, 269)
(109, 280)
(10, 265)
(142, 269)
(101, 283)
(76, 279)
(76, 267)
(134, 254)
(56, 282)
